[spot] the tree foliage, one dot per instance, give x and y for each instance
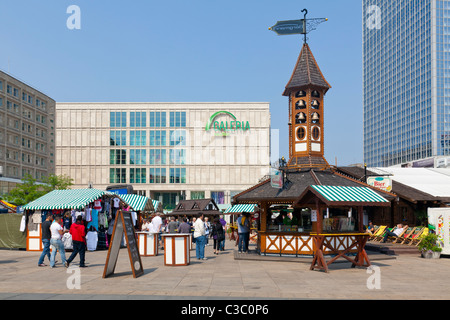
(29, 190)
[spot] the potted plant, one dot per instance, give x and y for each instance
(429, 248)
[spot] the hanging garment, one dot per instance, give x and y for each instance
(67, 241)
(23, 223)
(91, 240)
(94, 219)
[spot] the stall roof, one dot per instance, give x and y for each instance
(137, 202)
(238, 208)
(66, 199)
(343, 195)
(193, 207)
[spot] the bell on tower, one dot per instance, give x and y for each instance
(306, 90)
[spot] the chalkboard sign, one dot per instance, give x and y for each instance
(123, 225)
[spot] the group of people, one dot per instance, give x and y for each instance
(52, 233)
(395, 233)
(200, 227)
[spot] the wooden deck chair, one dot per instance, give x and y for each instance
(415, 237)
(402, 236)
(389, 238)
(379, 231)
(380, 237)
(420, 238)
(406, 236)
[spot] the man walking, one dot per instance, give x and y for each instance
(78, 232)
(46, 236)
(200, 237)
(243, 232)
(55, 241)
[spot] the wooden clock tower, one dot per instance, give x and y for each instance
(306, 90)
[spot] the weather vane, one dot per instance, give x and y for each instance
(301, 26)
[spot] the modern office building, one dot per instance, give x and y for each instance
(406, 82)
(27, 142)
(166, 151)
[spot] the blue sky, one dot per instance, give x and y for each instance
(188, 51)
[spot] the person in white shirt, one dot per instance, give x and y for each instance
(200, 237)
(55, 241)
(157, 223)
(397, 232)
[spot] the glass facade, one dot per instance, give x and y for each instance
(153, 153)
(406, 81)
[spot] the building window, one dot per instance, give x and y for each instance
(118, 119)
(117, 156)
(157, 175)
(117, 175)
(197, 195)
(138, 156)
(138, 119)
(138, 175)
(157, 119)
(138, 138)
(157, 156)
(177, 137)
(177, 175)
(118, 138)
(218, 197)
(178, 119)
(177, 156)
(157, 138)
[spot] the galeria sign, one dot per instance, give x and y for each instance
(226, 126)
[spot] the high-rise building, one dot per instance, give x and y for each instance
(166, 151)
(27, 144)
(406, 81)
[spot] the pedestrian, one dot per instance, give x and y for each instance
(56, 244)
(157, 225)
(243, 232)
(224, 225)
(207, 229)
(217, 233)
(78, 232)
(184, 227)
(46, 236)
(172, 226)
(200, 238)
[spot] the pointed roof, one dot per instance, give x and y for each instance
(306, 72)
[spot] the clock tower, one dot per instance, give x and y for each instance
(306, 90)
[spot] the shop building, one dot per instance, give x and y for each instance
(166, 151)
(27, 142)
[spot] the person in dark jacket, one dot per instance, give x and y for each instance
(46, 235)
(217, 233)
(78, 232)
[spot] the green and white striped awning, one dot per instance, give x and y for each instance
(65, 199)
(137, 202)
(349, 194)
(238, 208)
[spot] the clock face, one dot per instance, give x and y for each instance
(315, 133)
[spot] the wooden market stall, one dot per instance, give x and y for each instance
(296, 217)
(334, 233)
(56, 203)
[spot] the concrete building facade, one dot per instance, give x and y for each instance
(166, 151)
(27, 132)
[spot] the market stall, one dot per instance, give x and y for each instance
(94, 205)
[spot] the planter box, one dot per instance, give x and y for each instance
(431, 255)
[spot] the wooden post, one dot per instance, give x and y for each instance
(319, 227)
(264, 213)
(361, 218)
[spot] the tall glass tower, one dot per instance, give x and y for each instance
(406, 75)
